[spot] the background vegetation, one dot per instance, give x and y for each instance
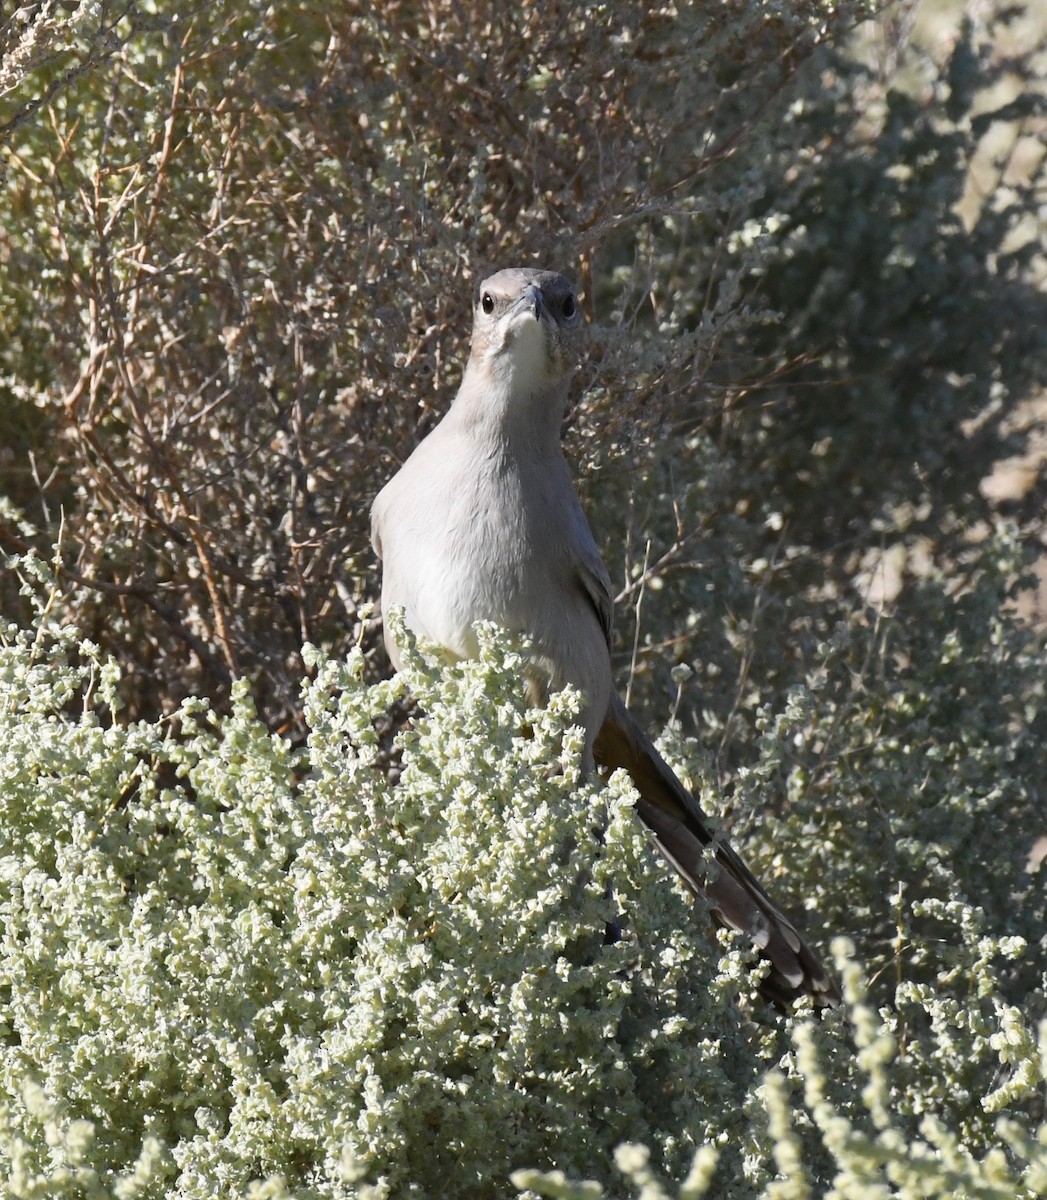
(238, 247)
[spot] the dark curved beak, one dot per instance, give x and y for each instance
(531, 299)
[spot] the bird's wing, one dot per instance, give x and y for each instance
(596, 583)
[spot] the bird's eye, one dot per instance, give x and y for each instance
(487, 302)
(569, 306)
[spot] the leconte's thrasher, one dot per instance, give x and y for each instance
(482, 523)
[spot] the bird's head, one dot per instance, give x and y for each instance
(525, 328)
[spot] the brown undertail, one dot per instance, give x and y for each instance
(681, 831)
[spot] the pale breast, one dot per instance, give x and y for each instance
(464, 538)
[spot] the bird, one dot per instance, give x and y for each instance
(482, 523)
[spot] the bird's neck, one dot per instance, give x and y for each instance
(501, 412)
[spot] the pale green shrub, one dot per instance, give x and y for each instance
(235, 959)
(226, 959)
(878, 1155)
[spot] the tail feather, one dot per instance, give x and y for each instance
(681, 832)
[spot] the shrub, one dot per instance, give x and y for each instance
(233, 960)
(228, 960)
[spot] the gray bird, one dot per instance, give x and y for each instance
(482, 523)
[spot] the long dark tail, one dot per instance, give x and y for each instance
(681, 830)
